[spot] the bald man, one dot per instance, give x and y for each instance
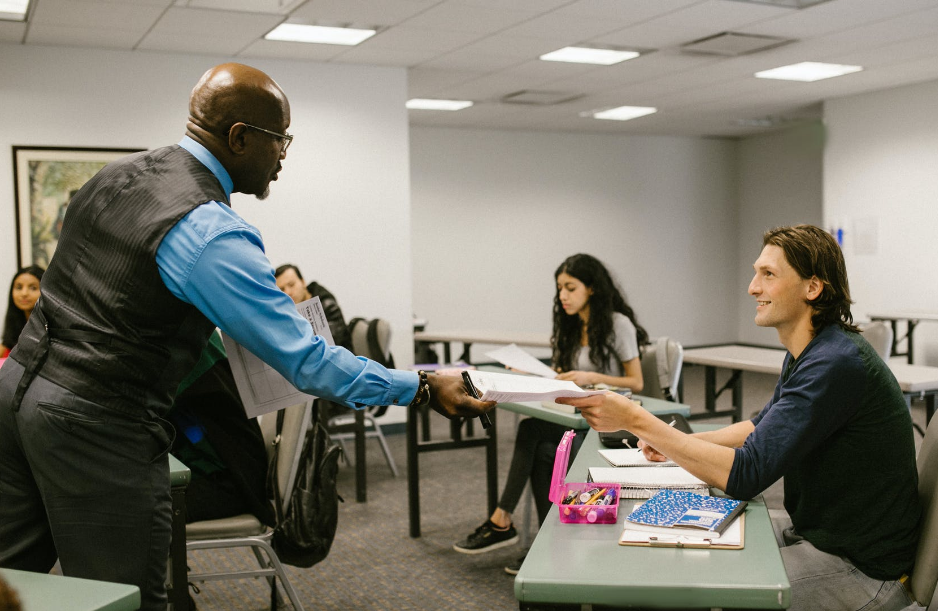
(151, 259)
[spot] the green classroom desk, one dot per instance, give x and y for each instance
(584, 564)
(44, 592)
(576, 421)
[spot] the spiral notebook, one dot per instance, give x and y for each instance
(643, 482)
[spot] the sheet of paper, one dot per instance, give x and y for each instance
(627, 457)
(262, 388)
(514, 357)
(508, 388)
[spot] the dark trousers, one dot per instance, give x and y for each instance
(86, 484)
(533, 458)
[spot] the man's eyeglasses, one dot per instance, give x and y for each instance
(285, 139)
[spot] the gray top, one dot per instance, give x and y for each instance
(625, 343)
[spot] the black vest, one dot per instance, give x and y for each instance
(116, 335)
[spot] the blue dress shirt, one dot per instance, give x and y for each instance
(215, 261)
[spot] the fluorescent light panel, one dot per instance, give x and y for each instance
(319, 34)
(808, 71)
(427, 104)
(586, 55)
(624, 113)
(13, 10)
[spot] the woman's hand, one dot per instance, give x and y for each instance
(580, 378)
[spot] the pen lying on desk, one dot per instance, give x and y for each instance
(471, 389)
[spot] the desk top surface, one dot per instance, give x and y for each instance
(179, 474)
(576, 421)
(577, 563)
(485, 337)
(911, 378)
(904, 315)
(44, 592)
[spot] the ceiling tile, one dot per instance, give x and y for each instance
(95, 15)
(464, 18)
(414, 39)
(620, 14)
(383, 57)
(207, 31)
(566, 30)
(424, 82)
(12, 31)
(363, 13)
(83, 37)
(291, 50)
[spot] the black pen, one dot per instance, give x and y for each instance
(471, 389)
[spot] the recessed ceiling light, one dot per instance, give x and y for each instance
(13, 10)
(808, 71)
(586, 55)
(623, 113)
(426, 104)
(319, 34)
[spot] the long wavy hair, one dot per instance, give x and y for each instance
(811, 251)
(606, 299)
(16, 319)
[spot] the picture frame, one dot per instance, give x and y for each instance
(44, 179)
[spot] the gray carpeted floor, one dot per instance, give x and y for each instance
(374, 564)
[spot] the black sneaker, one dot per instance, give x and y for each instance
(487, 538)
(514, 567)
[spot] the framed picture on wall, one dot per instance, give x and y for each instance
(44, 180)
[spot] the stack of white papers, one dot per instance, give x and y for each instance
(513, 357)
(507, 388)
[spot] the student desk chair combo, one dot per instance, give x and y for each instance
(489, 441)
(584, 564)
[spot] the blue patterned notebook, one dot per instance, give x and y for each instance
(677, 510)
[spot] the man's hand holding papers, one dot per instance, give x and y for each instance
(508, 388)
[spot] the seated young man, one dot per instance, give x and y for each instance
(290, 281)
(837, 429)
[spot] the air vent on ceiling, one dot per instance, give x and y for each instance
(733, 43)
(540, 98)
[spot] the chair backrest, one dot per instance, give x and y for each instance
(879, 335)
(371, 339)
(296, 419)
(925, 575)
(662, 361)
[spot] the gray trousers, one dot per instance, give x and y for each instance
(86, 484)
(822, 581)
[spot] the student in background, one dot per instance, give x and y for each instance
(290, 281)
(24, 293)
(595, 340)
(837, 429)
(222, 446)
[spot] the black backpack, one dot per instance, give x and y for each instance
(306, 522)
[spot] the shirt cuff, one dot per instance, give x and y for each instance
(403, 386)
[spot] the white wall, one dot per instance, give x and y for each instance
(341, 208)
(496, 212)
(780, 183)
(881, 187)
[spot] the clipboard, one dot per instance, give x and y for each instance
(733, 538)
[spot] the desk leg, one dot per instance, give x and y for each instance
(929, 407)
(466, 347)
(447, 353)
(710, 388)
(738, 398)
(413, 481)
(911, 348)
(491, 462)
(361, 483)
(179, 575)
